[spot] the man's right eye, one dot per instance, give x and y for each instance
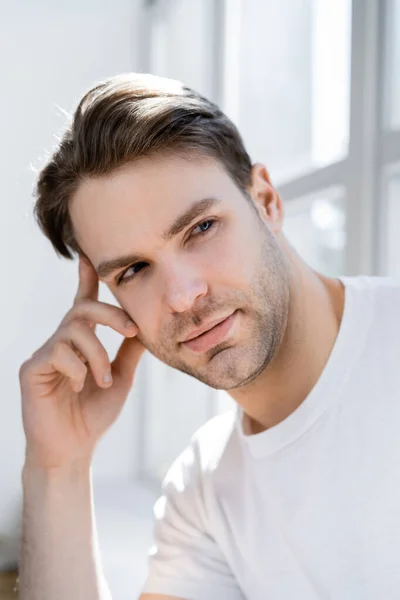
(135, 270)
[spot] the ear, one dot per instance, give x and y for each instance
(266, 198)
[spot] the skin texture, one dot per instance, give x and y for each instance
(243, 262)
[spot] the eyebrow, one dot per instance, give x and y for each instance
(106, 267)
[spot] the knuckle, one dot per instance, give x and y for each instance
(83, 304)
(80, 305)
(76, 327)
(58, 349)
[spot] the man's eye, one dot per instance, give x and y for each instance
(204, 226)
(135, 270)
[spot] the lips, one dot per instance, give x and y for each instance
(197, 332)
(213, 336)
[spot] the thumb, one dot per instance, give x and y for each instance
(124, 365)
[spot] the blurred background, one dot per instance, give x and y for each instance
(314, 87)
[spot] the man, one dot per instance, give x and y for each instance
(296, 494)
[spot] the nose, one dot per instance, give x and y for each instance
(182, 287)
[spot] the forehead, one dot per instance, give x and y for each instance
(139, 201)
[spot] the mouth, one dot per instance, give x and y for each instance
(213, 336)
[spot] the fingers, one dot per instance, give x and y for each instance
(64, 360)
(79, 335)
(75, 344)
(102, 313)
(127, 358)
(87, 306)
(88, 286)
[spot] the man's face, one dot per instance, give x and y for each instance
(187, 272)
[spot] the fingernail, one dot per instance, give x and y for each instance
(107, 377)
(129, 323)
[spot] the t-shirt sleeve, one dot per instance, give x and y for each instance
(185, 560)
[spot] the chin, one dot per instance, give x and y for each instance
(225, 371)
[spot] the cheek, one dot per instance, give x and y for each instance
(139, 304)
(233, 259)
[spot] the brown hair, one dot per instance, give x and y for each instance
(120, 120)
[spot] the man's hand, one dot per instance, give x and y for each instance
(68, 398)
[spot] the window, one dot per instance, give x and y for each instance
(315, 225)
(294, 65)
(389, 157)
(392, 238)
(292, 85)
(182, 42)
(392, 114)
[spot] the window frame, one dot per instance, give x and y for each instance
(371, 147)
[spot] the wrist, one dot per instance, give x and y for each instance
(72, 470)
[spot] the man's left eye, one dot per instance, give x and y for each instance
(204, 226)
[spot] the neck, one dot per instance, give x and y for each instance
(315, 313)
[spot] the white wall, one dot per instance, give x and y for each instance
(50, 53)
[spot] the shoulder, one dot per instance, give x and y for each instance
(375, 308)
(189, 488)
(378, 286)
(205, 452)
(381, 295)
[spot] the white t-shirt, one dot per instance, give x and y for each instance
(310, 508)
